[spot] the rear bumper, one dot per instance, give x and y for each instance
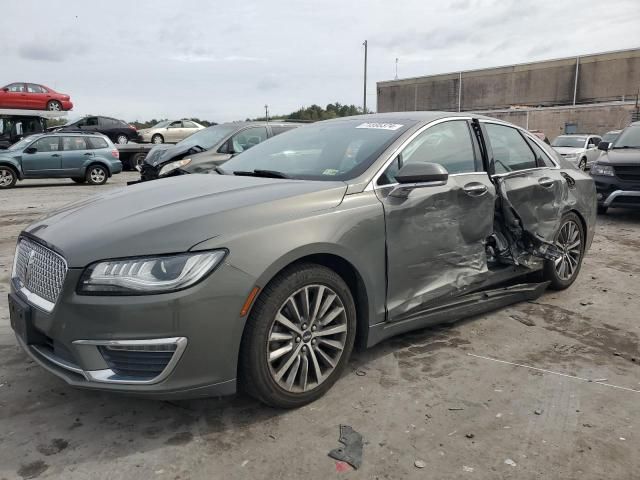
(67, 105)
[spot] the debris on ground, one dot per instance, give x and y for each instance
(361, 373)
(524, 320)
(467, 469)
(469, 435)
(588, 425)
(510, 462)
(420, 464)
(585, 303)
(538, 411)
(352, 450)
(598, 380)
(455, 409)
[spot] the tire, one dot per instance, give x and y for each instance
(136, 159)
(572, 257)
(54, 106)
(8, 177)
(96, 175)
(157, 139)
(602, 210)
(583, 164)
(265, 337)
(122, 139)
(79, 179)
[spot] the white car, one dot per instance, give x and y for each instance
(581, 150)
(169, 131)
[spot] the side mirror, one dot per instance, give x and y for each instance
(422, 173)
(30, 150)
(604, 146)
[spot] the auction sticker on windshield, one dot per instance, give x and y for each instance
(380, 126)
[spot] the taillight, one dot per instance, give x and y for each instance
(115, 153)
(133, 126)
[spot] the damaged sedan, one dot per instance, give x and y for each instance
(264, 275)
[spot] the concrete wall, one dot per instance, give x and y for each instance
(601, 78)
(597, 118)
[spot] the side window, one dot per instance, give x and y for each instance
(91, 122)
(248, 138)
(73, 143)
(32, 88)
(542, 159)
(177, 124)
(16, 87)
(278, 129)
(96, 142)
(188, 124)
(510, 151)
(47, 144)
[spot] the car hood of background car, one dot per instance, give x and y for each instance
(172, 215)
(568, 150)
(621, 156)
(164, 153)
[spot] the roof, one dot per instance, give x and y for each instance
(409, 117)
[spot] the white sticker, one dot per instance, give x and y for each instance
(380, 126)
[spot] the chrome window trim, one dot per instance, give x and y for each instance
(109, 376)
(372, 185)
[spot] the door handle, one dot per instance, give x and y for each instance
(88, 154)
(546, 182)
(475, 189)
(55, 155)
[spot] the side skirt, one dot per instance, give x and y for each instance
(461, 307)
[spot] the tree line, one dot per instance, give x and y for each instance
(316, 113)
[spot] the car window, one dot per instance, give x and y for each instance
(177, 124)
(542, 159)
(278, 129)
(73, 143)
(188, 124)
(32, 88)
(510, 151)
(47, 144)
(16, 87)
(91, 122)
(96, 142)
(448, 144)
(248, 138)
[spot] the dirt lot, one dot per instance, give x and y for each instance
(439, 396)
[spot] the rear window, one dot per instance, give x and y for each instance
(97, 142)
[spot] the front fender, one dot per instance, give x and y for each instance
(14, 163)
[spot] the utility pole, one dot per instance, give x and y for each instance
(396, 68)
(364, 102)
(266, 112)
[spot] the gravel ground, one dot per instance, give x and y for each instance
(444, 399)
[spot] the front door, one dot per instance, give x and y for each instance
(175, 132)
(45, 161)
(436, 234)
(532, 185)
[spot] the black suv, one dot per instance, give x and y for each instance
(617, 171)
(118, 131)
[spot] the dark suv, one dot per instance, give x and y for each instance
(617, 171)
(118, 131)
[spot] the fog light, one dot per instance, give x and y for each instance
(599, 196)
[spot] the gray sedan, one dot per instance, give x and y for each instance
(265, 274)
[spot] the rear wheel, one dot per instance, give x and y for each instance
(54, 106)
(8, 177)
(157, 138)
(583, 164)
(79, 179)
(298, 337)
(136, 159)
(570, 241)
(96, 175)
(122, 139)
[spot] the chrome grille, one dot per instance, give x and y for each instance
(40, 270)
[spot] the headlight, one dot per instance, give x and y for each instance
(171, 166)
(145, 275)
(571, 156)
(599, 169)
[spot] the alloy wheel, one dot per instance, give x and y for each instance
(569, 242)
(6, 177)
(54, 107)
(583, 165)
(307, 338)
(157, 139)
(97, 175)
(122, 139)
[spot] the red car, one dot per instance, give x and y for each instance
(31, 96)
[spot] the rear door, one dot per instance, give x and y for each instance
(46, 160)
(75, 153)
(436, 233)
(531, 182)
(37, 96)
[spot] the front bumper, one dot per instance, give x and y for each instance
(614, 192)
(85, 340)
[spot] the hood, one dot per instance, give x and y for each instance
(174, 214)
(568, 150)
(621, 156)
(163, 153)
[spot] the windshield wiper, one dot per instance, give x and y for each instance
(219, 170)
(261, 173)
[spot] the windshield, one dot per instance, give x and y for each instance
(209, 137)
(336, 150)
(629, 138)
(21, 144)
(574, 142)
(161, 124)
(610, 136)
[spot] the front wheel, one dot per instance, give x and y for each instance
(54, 106)
(8, 177)
(298, 337)
(157, 139)
(570, 241)
(122, 139)
(583, 165)
(97, 175)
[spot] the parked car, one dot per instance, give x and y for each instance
(118, 131)
(169, 131)
(31, 96)
(611, 136)
(617, 171)
(83, 158)
(15, 127)
(208, 148)
(265, 273)
(581, 150)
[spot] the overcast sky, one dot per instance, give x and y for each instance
(221, 61)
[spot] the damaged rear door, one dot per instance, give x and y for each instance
(532, 192)
(435, 233)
